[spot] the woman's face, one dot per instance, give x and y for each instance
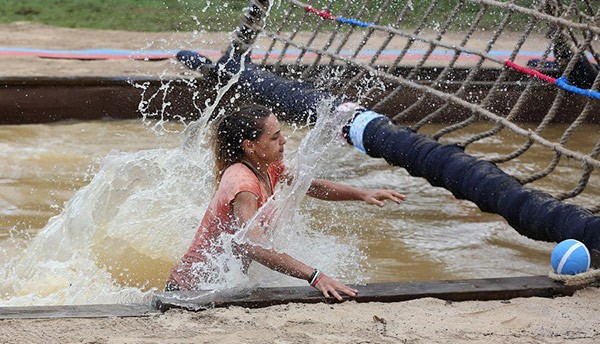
(268, 147)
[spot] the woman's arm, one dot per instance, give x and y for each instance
(332, 191)
(244, 207)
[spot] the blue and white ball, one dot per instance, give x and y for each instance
(570, 257)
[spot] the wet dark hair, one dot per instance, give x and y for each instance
(232, 129)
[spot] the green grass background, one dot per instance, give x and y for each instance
(131, 15)
(221, 15)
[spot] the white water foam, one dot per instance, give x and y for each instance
(118, 237)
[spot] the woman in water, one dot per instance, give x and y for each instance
(248, 146)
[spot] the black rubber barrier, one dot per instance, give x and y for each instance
(534, 214)
(295, 100)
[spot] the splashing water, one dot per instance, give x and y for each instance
(118, 237)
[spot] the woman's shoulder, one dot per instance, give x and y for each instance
(237, 178)
(238, 171)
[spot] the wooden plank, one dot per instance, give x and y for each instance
(44, 100)
(595, 257)
(78, 311)
(41, 100)
(454, 290)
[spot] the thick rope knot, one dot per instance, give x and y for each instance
(584, 278)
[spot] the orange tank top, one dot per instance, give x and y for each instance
(218, 218)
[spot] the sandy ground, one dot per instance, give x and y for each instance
(528, 320)
(25, 35)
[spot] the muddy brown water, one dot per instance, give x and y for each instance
(431, 236)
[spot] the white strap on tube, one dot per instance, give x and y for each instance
(358, 126)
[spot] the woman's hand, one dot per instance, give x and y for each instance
(330, 287)
(376, 197)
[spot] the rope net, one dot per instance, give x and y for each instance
(519, 76)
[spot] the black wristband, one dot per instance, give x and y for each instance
(312, 276)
